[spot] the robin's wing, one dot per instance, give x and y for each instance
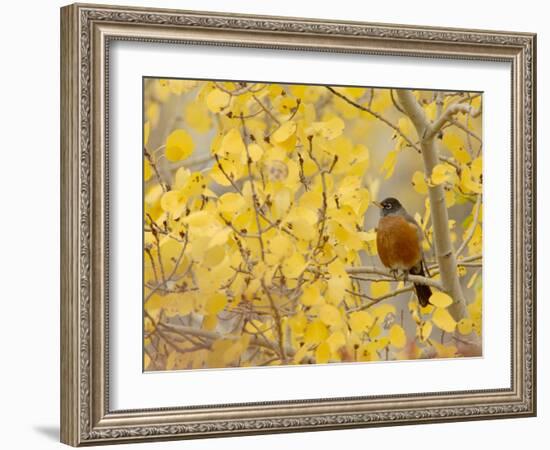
(420, 235)
(419, 231)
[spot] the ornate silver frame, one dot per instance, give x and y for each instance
(86, 31)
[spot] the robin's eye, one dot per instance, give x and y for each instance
(387, 206)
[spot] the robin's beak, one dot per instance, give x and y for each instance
(379, 205)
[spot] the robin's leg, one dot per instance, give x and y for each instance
(405, 276)
(395, 273)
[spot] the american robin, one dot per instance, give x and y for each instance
(399, 243)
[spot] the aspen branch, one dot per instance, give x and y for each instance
(388, 276)
(445, 255)
(446, 117)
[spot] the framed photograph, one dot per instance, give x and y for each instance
(277, 225)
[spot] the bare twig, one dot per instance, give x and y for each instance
(375, 114)
(255, 200)
(374, 300)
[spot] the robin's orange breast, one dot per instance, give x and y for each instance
(398, 243)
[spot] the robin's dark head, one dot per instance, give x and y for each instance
(389, 206)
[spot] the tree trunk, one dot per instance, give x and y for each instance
(440, 218)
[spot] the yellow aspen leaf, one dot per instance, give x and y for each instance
(322, 353)
(198, 219)
(255, 152)
(444, 320)
(196, 115)
(294, 265)
(336, 340)
(462, 156)
(219, 171)
(425, 331)
(170, 201)
(476, 102)
(217, 100)
(232, 143)
(360, 321)
(216, 303)
(179, 145)
(375, 331)
(146, 132)
(330, 315)
(152, 113)
(311, 295)
(381, 343)
(280, 246)
(336, 289)
(456, 146)
(178, 87)
(366, 352)
(213, 255)
(195, 185)
(177, 304)
(302, 229)
(220, 237)
(353, 92)
(382, 100)
(397, 336)
(430, 109)
(467, 183)
(477, 167)
(381, 311)
(329, 129)
(282, 201)
(445, 351)
(210, 322)
(419, 183)
(465, 326)
(181, 177)
(406, 126)
(146, 360)
(230, 203)
(147, 171)
(285, 131)
(474, 246)
(337, 269)
(315, 332)
(379, 288)
(450, 198)
(153, 194)
(443, 173)
(298, 322)
(428, 309)
(388, 165)
(311, 200)
(441, 300)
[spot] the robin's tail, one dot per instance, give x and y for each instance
(423, 292)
